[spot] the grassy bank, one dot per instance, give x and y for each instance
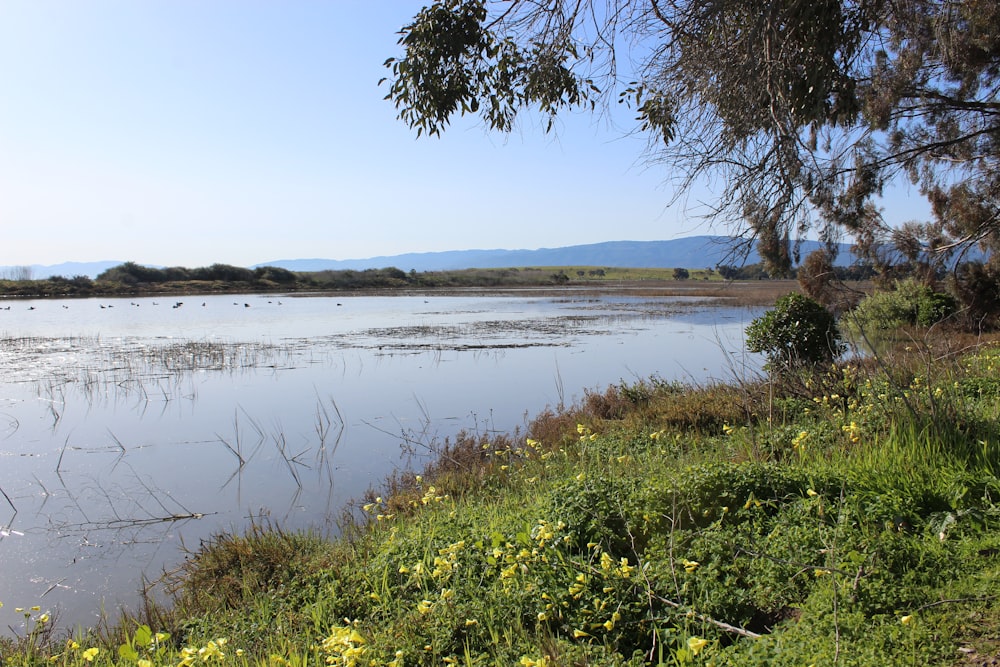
(130, 279)
(844, 517)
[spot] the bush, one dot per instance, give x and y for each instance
(799, 331)
(909, 303)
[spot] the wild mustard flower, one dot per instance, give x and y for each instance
(213, 650)
(91, 653)
(727, 429)
(525, 661)
(905, 620)
(344, 646)
(853, 432)
(798, 442)
(696, 644)
(690, 565)
(624, 569)
(425, 607)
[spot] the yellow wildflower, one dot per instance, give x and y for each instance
(91, 653)
(696, 644)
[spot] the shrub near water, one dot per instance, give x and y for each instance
(859, 528)
(797, 332)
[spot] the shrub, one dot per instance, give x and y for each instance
(799, 331)
(934, 307)
(909, 303)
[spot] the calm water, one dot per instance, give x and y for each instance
(131, 428)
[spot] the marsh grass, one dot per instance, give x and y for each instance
(845, 517)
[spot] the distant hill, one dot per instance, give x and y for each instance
(694, 252)
(66, 269)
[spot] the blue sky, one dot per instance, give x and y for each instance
(188, 132)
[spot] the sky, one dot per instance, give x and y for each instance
(190, 132)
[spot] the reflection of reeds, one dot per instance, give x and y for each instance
(122, 368)
(9, 501)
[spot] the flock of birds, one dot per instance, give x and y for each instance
(177, 304)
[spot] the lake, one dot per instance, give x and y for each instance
(131, 429)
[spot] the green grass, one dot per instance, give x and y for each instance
(835, 518)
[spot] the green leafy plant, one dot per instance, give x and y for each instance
(909, 303)
(798, 331)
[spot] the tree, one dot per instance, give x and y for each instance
(681, 274)
(804, 110)
(797, 332)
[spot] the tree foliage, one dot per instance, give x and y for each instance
(802, 109)
(796, 332)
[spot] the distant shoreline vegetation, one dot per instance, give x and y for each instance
(131, 279)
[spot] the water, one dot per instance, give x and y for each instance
(131, 429)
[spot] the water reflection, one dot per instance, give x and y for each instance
(133, 429)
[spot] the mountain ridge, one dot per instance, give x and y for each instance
(690, 252)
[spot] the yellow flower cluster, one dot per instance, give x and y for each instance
(799, 441)
(853, 432)
(344, 646)
(432, 496)
(210, 651)
(446, 562)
